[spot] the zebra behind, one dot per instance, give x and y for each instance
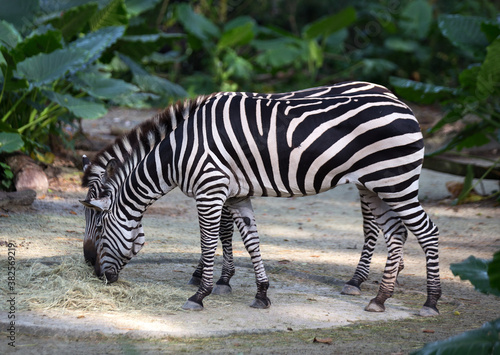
(225, 148)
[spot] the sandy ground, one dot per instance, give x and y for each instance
(310, 247)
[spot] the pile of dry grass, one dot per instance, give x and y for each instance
(71, 285)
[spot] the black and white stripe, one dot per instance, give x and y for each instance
(225, 148)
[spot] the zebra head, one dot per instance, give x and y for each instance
(109, 242)
(92, 219)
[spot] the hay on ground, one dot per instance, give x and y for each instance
(71, 285)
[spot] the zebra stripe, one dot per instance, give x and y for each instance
(290, 144)
(362, 270)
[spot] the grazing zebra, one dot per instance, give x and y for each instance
(224, 148)
(222, 286)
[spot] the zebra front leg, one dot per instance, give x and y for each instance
(243, 216)
(222, 286)
(209, 216)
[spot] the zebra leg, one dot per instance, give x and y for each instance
(243, 216)
(222, 286)
(427, 234)
(209, 216)
(370, 229)
(395, 235)
(226, 237)
(197, 274)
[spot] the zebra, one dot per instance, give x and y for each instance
(224, 148)
(222, 286)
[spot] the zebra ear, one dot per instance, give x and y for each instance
(111, 168)
(85, 162)
(100, 205)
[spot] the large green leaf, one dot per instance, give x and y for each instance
(464, 31)
(19, 12)
(73, 21)
(280, 56)
(10, 142)
(489, 75)
(196, 24)
(237, 36)
(135, 7)
(160, 86)
(37, 42)
(95, 43)
(138, 46)
(102, 87)
(152, 83)
(401, 45)
(45, 68)
(491, 30)
(9, 36)
(494, 271)
(482, 341)
(7, 65)
(416, 19)
(330, 24)
(79, 107)
(468, 77)
(113, 14)
(476, 271)
(421, 92)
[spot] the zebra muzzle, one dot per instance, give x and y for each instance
(111, 275)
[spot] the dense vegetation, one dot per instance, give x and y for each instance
(63, 61)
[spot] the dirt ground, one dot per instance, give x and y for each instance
(310, 248)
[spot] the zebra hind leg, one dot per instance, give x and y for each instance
(243, 216)
(370, 230)
(222, 286)
(395, 234)
(418, 222)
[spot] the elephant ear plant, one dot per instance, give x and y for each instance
(485, 276)
(55, 69)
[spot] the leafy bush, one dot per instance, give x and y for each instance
(478, 92)
(238, 53)
(485, 276)
(476, 101)
(61, 67)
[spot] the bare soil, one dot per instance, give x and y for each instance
(310, 248)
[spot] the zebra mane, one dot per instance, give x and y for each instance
(133, 146)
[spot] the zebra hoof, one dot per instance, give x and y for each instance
(222, 290)
(192, 306)
(373, 306)
(196, 281)
(260, 303)
(428, 312)
(350, 290)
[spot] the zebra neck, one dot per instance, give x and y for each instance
(144, 182)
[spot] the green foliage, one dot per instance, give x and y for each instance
(482, 341)
(478, 92)
(485, 276)
(6, 176)
(479, 273)
(10, 142)
(55, 68)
